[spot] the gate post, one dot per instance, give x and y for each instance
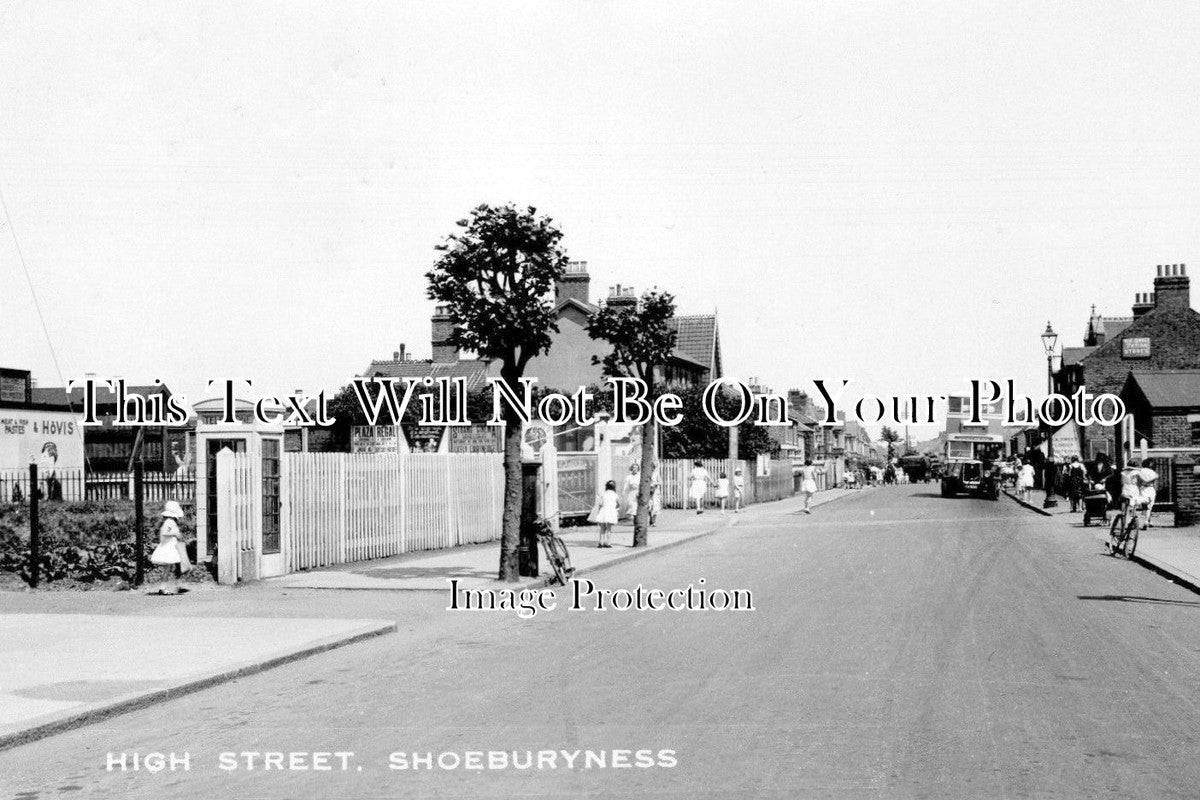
(227, 550)
(548, 486)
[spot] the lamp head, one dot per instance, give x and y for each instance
(1049, 338)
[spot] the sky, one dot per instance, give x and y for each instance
(899, 194)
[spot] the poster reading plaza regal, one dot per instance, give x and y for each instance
(599, 399)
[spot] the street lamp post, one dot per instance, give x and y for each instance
(1049, 339)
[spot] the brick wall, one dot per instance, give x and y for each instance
(1174, 335)
(1171, 430)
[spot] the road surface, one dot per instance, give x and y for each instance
(902, 645)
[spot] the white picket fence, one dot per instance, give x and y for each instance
(676, 480)
(337, 508)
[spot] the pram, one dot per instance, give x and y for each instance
(1095, 506)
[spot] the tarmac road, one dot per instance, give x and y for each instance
(903, 645)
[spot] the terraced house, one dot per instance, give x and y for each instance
(1161, 333)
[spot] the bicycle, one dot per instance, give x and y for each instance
(1123, 533)
(556, 552)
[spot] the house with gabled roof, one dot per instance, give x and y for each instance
(569, 363)
(1162, 333)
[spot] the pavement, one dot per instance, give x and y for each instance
(902, 645)
(72, 658)
(475, 566)
(1173, 551)
(63, 670)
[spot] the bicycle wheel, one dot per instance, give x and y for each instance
(1115, 534)
(560, 559)
(1131, 537)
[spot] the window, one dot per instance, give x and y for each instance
(1195, 434)
(959, 405)
(1135, 347)
(270, 499)
(961, 450)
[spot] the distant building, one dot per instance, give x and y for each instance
(1162, 333)
(35, 432)
(111, 448)
(569, 363)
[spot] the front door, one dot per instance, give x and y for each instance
(272, 553)
(215, 446)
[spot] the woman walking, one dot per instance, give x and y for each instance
(171, 554)
(1075, 482)
(633, 482)
(699, 485)
(808, 484)
(655, 492)
(1025, 478)
(608, 514)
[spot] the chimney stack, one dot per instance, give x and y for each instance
(1142, 302)
(399, 355)
(1172, 289)
(621, 297)
(575, 284)
(443, 326)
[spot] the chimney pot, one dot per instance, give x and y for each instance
(1172, 288)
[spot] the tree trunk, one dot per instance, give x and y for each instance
(641, 521)
(510, 532)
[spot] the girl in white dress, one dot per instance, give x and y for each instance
(739, 490)
(633, 482)
(699, 485)
(655, 492)
(607, 517)
(723, 490)
(171, 552)
(808, 484)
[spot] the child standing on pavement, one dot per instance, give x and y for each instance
(699, 486)
(723, 490)
(739, 489)
(171, 553)
(609, 513)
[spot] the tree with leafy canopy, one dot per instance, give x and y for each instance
(697, 436)
(642, 339)
(496, 277)
(889, 437)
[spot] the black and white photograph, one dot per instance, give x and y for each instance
(599, 399)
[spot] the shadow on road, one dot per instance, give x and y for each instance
(1125, 598)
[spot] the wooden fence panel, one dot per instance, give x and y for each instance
(676, 479)
(342, 508)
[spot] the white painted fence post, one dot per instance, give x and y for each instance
(404, 462)
(227, 555)
(549, 484)
(343, 492)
